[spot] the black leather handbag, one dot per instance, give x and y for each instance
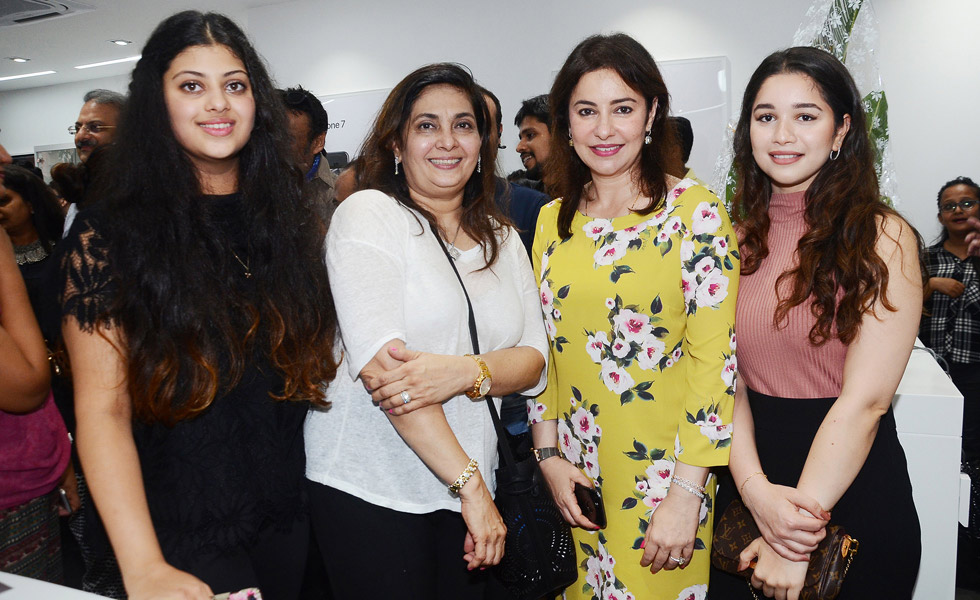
(539, 552)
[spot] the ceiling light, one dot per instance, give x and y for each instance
(120, 42)
(109, 62)
(9, 77)
(18, 59)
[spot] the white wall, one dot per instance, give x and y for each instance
(929, 54)
(514, 46)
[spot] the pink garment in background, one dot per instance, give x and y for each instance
(34, 453)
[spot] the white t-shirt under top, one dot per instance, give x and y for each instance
(390, 280)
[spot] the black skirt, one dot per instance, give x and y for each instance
(877, 508)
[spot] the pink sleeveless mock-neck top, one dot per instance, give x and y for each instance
(781, 361)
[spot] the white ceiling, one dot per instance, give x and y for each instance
(60, 43)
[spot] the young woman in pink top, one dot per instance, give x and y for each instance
(827, 314)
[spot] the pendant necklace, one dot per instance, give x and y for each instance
(454, 252)
(248, 271)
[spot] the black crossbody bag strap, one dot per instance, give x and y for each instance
(502, 446)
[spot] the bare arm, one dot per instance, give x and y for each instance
(427, 433)
(112, 468)
(435, 378)
(883, 347)
(23, 358)
(790, 531)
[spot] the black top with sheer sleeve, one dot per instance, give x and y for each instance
(215, 480)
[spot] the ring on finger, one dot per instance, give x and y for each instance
(406, 398)
(680, 561)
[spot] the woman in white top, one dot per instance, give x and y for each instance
(400, 487)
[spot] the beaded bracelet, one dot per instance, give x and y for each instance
(689, 486)
(457, 485)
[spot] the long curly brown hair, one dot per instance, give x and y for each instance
(839, 269)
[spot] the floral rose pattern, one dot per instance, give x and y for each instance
(640, 314)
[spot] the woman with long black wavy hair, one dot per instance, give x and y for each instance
(199, 324)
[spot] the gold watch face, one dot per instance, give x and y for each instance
(485, 386)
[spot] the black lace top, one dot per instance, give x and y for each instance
(212, 481)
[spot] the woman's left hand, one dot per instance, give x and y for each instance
(774, 575)
(672, 530)
(425, 378)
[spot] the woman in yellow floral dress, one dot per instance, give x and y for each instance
(638, 273)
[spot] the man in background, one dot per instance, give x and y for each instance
(533, 121)
(94, 128)
(308, 123)
(96, 122)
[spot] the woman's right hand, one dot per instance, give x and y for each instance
(485, 529)
(947, 285)
(562, 476)
(776, 509)
(160, 581)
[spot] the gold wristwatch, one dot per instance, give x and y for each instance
(481, 386)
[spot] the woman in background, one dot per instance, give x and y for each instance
(33, 441)
(638, 274)
(951, 327)
(827, 313)
(199, 324)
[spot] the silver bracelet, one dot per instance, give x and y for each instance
(689, 486)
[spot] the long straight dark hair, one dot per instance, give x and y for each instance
(565, 173)
(843, 211)
(189, 326)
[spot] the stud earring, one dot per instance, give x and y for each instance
(648, 138)
(834, 154)
(397, 160)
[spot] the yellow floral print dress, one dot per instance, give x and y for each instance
(640, 313)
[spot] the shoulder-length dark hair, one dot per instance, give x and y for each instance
(844, 211)
(189, 327)
(46, 216)
(565, 173)
(481, 219)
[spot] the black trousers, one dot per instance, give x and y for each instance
(370, 551)
(274, 564)
(877, 508)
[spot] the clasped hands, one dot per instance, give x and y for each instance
(792, 525)
(421, 377)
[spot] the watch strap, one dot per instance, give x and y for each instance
(484, 375)
(545, 453)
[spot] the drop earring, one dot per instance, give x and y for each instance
(648, 138)
(479, 161)
(397, 160)
(570, 142)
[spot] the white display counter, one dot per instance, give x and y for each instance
(15, 587)
(929, 416)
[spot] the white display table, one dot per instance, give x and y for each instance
(15, 587)
(929, 416)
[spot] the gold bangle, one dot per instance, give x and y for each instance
(746, 480)
(457, 485)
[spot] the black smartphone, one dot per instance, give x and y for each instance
(590, 503)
